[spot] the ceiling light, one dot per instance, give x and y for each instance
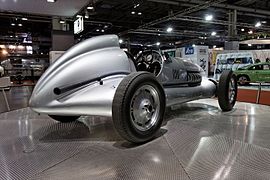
(169, 29)
(263, 22)
(213, 33)
(120, 41)
(90, 7)
(250, 32)
(208, 17)
(12, 47)
(11, 36)
(139, 13)
(4, 52)
(193, 45)
(249, 45)
(258, 24)
(24, 19)
(51, 1)
(242, 29)
(158, 34)
(136, 5)
(78, 16)
(20, 47)
(62, 22)
(106, 26)
(19, 24)
(214, 46)
(97, 30)
(158, 43)
(102, 30)
(133, 12)
(86, 16)
(13, 24)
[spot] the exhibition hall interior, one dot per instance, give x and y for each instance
(135, 89)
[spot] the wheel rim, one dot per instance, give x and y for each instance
(242, 80)
(232, 90)
(145, 108)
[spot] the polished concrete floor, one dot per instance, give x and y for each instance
(197, 141)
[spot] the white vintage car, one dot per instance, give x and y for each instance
(96, 77)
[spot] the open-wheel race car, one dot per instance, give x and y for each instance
(96, 77)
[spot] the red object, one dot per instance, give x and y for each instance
(250, 95)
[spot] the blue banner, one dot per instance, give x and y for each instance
(189, 50)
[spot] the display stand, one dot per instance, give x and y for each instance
(4, 84)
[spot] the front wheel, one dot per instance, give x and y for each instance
(138, 107)
(227, 90)
(64, 119)
(243, 80)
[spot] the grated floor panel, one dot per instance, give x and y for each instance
(197, 141)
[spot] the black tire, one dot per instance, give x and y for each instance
(64, 119)
(243, 83)
(122, 113)
(226, 103)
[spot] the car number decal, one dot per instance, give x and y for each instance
(176, 73)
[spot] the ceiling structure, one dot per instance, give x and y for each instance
(67, 8)
(141, 22)
(185, 16)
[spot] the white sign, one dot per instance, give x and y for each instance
(54, 55)
(198, 55)
(78, 25)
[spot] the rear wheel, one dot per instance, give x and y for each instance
(138, 107)
(227, 90)
(243, 80)
(64, 119)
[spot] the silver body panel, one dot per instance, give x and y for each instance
(102, 57)
(177, 95)
(93, 99)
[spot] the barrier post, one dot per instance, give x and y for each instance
(259, 93)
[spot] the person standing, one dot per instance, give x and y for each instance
(1, 71)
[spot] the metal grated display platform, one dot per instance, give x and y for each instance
(197, 141)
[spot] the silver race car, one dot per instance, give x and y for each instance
(96, 77)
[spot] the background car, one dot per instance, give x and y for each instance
(253, 73)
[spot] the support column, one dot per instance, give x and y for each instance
(233, 43)
(62, 37)
(232, 30)
(128, 45)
